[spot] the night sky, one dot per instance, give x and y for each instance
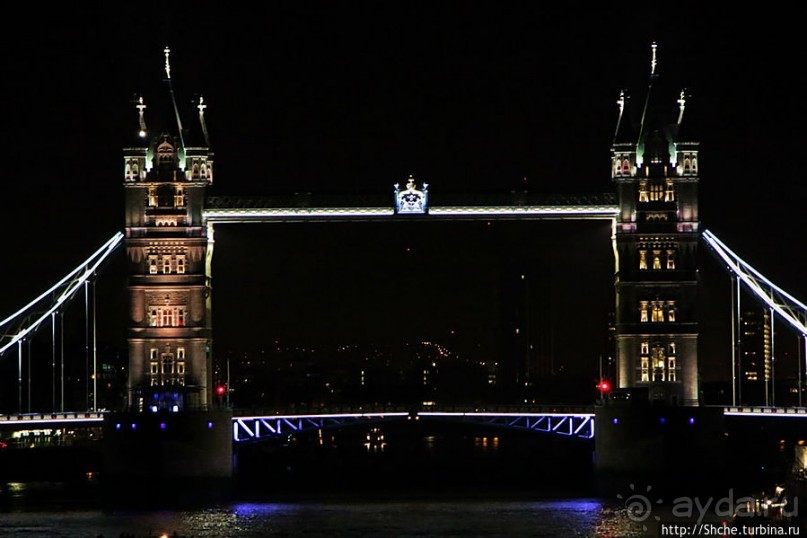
(350, 98)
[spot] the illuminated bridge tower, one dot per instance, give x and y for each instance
(166, 245)
(655, 169)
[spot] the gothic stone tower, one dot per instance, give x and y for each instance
(166, 244)
(655, 169)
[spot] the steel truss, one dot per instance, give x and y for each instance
(569, 424)
(253, 428)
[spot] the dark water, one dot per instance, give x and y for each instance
(489, 518)
(421, 484)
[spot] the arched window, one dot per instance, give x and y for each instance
(626, 167)
(694, 166)
(687, 167)
(195, 171)
(128, 171)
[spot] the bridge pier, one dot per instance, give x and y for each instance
(659, 443)
(163, 445)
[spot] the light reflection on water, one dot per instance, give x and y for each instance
(567, 518)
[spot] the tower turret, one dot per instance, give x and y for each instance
(656, 178)
(170, 341)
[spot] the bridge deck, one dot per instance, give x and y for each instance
(522, 206)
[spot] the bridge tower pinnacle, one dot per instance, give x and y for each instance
(655, 169)
(166, 175)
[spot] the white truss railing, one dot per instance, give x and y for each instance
(788, 307)
(26, 320)
(263, 427)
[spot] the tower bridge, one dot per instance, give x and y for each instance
(169, 241)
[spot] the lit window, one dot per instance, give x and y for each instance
(669, 194)
(645, 348)
(656, 192)
(626, 167)
(153, 354)
(152, 197)
(658, 363)
(155, 369)
(671, 369)
(181, 353)
(645, 369)
(671, 315)
(694, 166)
(167, 316)
(656, 260)
(671, 348)
(642, 259)
(166, 265)
(687, 166)
(657, 312)
(643, 192)
(643, 312)
(181, 264)
(179, 197)
(153, 264)
(181, 368)
(670, 260)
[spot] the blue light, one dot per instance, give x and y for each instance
(153, 408)
(692, 421)
(209, 425)
(162, 425)
(616, 421)
(134, 426)
(156, 396)
(117, 426)
(662, 420)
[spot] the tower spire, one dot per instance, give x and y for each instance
(682, 101)
(141, 107)
(167, 52)
(202, 106)
(621, 104)
(653, 75)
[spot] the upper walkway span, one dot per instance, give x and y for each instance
(303, 207)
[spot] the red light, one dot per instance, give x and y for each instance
(604, 386)
(220, 390)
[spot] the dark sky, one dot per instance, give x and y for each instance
(350, 97)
